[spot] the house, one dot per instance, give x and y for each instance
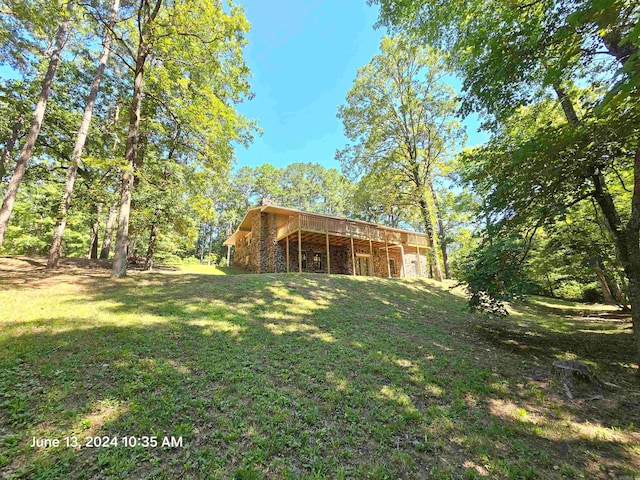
(269, 239)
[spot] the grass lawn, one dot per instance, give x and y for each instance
(199, 269)
(301, 376)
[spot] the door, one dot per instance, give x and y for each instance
(362, 266)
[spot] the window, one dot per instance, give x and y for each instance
(392, 266)
(304, 260)
(317, 261)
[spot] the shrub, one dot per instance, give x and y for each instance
(494, 273)
(592, 294)
(569, 290)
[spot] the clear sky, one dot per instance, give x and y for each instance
(304, 56)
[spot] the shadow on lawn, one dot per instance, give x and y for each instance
(607, 347)
(299, 376)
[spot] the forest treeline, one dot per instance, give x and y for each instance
(118, 124)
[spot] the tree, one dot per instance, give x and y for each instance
(56, 242)
(38, 116)
(383, 198)
(576, 250)
(399, 118)
(268, 183)
(509, 55)
(12, 105)
(146, 15)
(196, 48)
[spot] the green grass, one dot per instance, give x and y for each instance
(199, 269)
(301, 376)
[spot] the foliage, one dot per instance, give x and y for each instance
(189, 126)
(384, 199)
(495, 272)
(508, 55)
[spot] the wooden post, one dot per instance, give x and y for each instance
(353, 255)
(287, 253)
(402, 272)
(328, 257)
(370, 269)
(419, 261)
(228, 255)
(299, 251)
(386, 245)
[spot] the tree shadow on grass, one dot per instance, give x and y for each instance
(267, 376)
(607, 347)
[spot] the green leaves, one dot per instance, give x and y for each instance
(510, 54)
(399, 114)
(494, 273)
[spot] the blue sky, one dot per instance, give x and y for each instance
(304, 55)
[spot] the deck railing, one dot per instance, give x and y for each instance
(349, 228)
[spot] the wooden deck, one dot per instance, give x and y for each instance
(350, 229)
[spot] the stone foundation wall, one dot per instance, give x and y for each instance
(272, 254)
(380, 262)
(247, 252)
(254, 244)
(340, 257)
(411, 260)
(241, 254)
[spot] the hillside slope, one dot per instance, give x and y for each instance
(300, 376)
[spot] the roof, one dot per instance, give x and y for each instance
(245, 224)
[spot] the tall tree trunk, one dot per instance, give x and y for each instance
(552, 294)
(441, 232)
(145, 18)
(93, 248)
(153, 239)
(124, 209)
(566, 104)
(632, 269)
(108, 233)
(432, 253)
(81, 138)
(7, 150)
(210, 244)
(33, 250)
(602, 278)
(202, 242)
(95, 228)
(621, 291)
(628, 237)
(38, 116)
(627, 240)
